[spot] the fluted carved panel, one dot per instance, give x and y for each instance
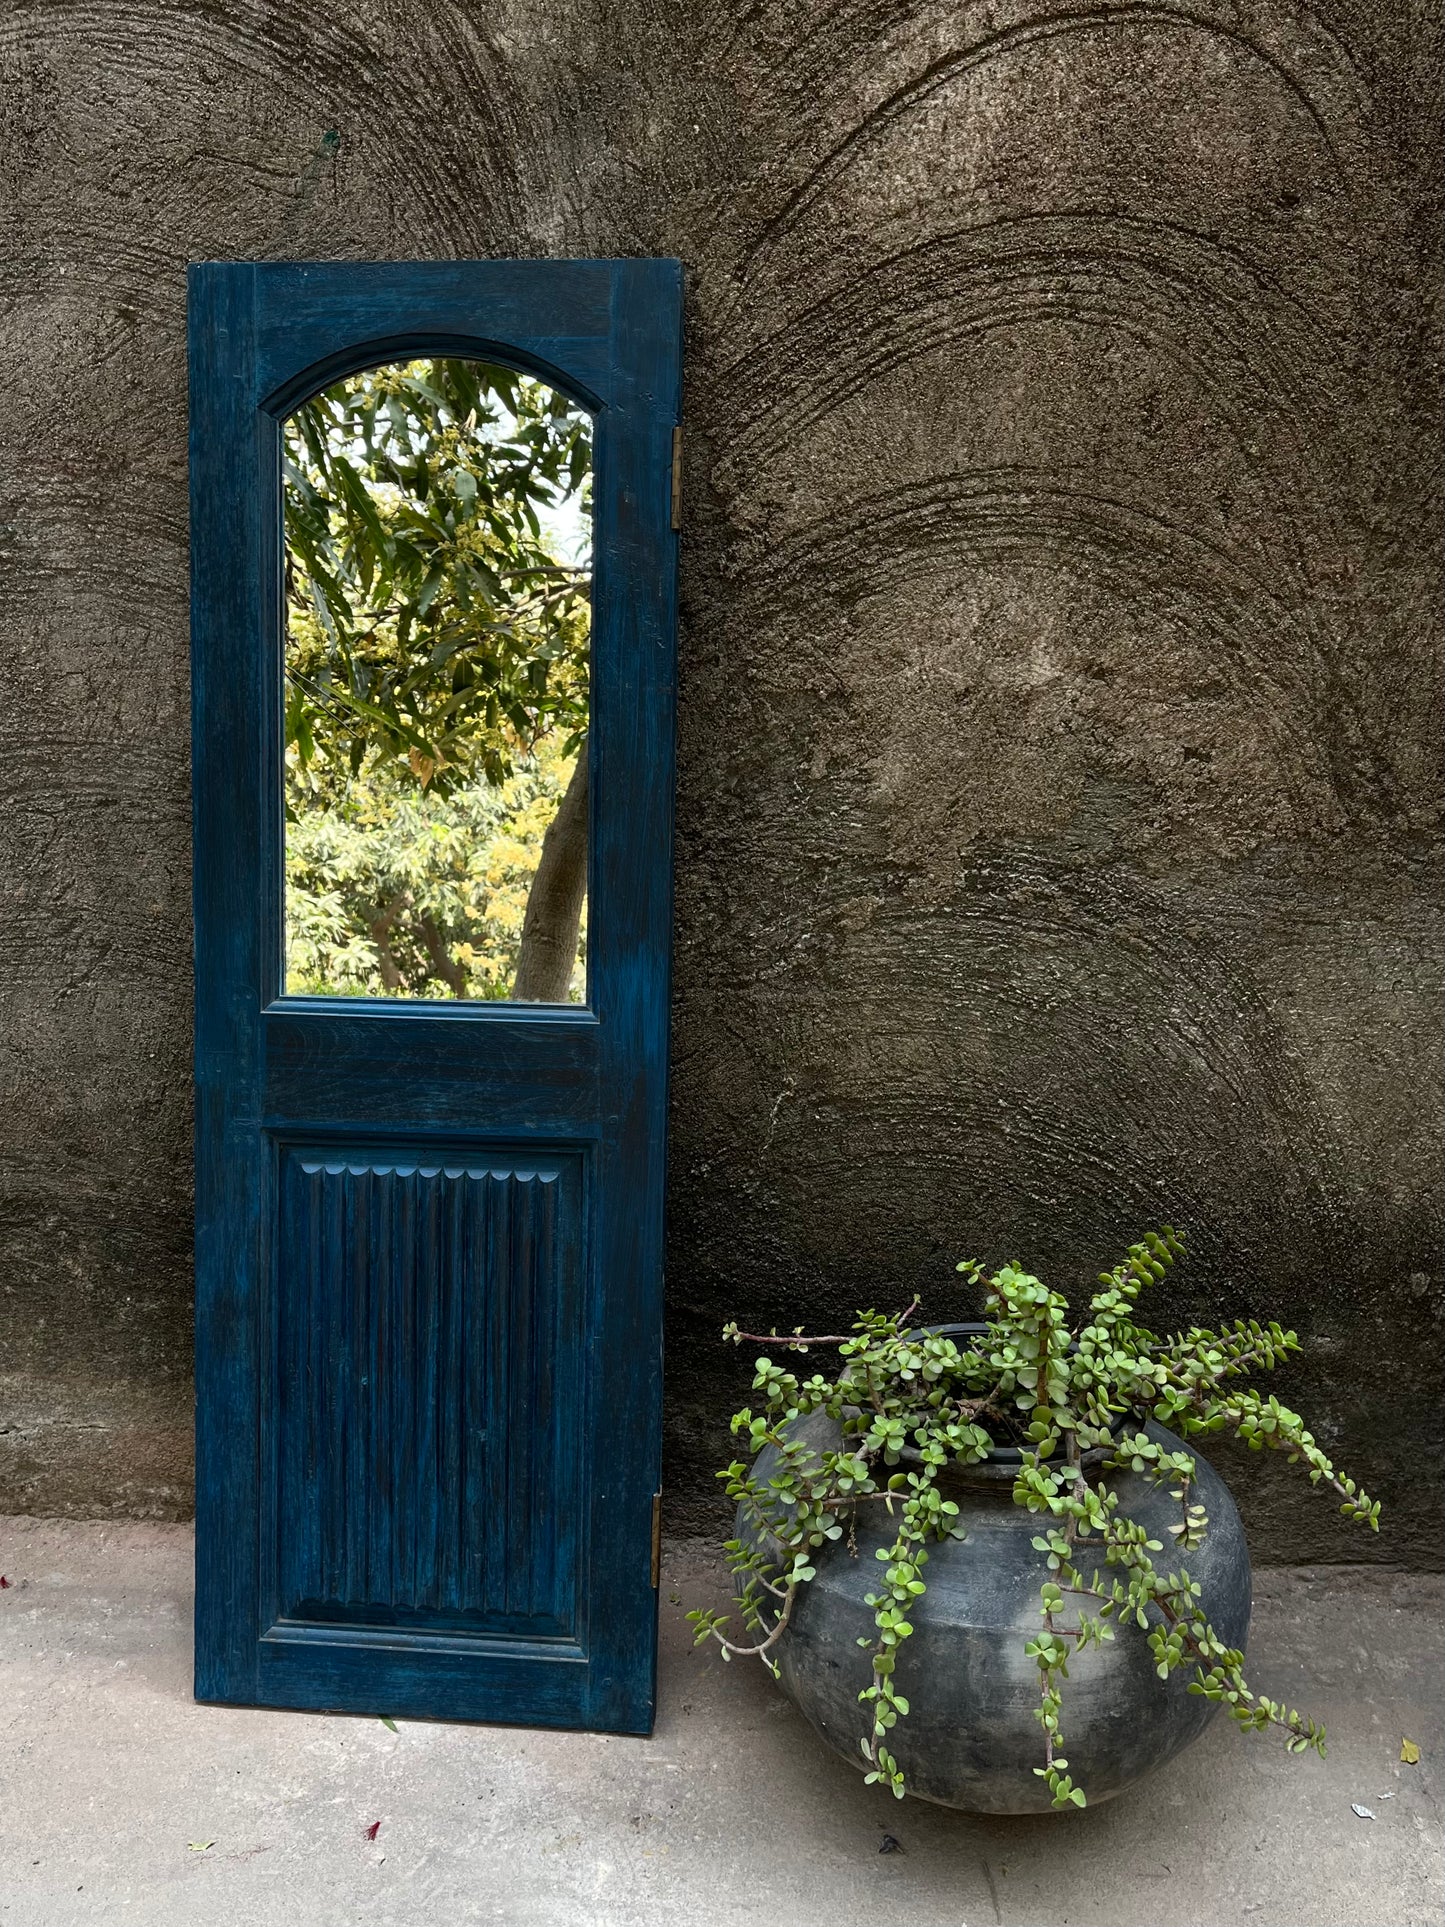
(427, 1389)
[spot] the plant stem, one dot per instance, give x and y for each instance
(797, 1339)
(753, 1652)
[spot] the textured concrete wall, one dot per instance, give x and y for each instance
(1059, 678)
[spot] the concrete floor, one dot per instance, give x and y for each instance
(112, 1780)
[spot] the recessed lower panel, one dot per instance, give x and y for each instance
(428, 1390)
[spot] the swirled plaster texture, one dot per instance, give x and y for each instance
(1059, 789)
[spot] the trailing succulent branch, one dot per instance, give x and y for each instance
(1058, 1393)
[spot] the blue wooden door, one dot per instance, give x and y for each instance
(428, 1243)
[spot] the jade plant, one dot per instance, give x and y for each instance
(909, 1402)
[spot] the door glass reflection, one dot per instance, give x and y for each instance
(438, 563)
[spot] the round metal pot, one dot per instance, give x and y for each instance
(970, 1739)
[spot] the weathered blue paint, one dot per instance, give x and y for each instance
(429, 1238)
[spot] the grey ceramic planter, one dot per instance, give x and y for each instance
(971, 1739)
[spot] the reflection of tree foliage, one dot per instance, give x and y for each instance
(395, 892)
(436, 685)
(431, 623)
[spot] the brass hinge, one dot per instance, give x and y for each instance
(677, 478)
(656, 1539)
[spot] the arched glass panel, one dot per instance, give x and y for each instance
(438, 576)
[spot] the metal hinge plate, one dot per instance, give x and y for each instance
(677, 478)
(656, 1539)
